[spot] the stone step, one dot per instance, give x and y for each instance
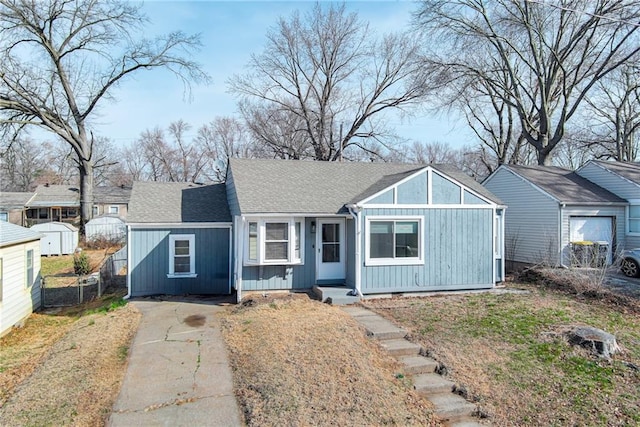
(450, 407)
(432, 383)
(465, 422)
(418, 364)
(346, 300)
(400, 347)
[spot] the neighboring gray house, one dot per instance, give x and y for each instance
(13, 206)
(54, 203)
(112, 201)
(19, 274)
(179, 239)
(371, 228)
(622, 179)
(552, 212)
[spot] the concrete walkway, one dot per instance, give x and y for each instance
(178, 373)
(451, 408)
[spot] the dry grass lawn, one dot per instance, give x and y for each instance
(509, 352)
(65, 369)
(298, 362)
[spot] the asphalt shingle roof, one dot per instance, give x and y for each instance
(176, 202)
(56, 195)
(628, 170)
(308, 187)
(11, 234)
(565, 185)
(14, 200)
(104, 194)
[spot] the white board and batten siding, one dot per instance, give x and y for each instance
(18, 298)
(532, 219)
(59, 238)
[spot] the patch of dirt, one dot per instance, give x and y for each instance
(300, 362)
(75, 381)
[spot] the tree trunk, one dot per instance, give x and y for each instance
(86, 192)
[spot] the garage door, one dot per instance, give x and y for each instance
(592, 229)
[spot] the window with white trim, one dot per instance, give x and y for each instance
(182, 260)
(394, 241)
(634, 218)
(29, 268)
(276, 241)
(114, 210)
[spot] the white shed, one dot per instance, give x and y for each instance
(110, 228)
(19, 274)
(59, 238)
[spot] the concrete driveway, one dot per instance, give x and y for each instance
(621, 284)
(178, 373)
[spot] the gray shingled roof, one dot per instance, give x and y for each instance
(306, 187)
(11, 234)
(628, 170)
(56, 195)
(176, 202)
(117, 195)
(565, 185)
(14, 200)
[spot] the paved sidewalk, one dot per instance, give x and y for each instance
(178, 373)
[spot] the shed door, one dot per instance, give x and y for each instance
(51, 243)
(592, 229)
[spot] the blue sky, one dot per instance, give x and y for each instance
(231, 31)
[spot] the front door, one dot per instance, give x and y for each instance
(330, 254)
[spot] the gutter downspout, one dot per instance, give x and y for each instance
(354, 211)
(239, 253)
(560, 215)
(128, 295)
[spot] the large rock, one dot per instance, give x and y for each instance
(600, 342)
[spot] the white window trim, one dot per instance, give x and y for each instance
(368, 261)
(262, 221)
(27, 268)
(632, 202)
(117, 208)
(192, 256)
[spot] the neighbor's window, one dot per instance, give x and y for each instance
(394, 241)
(634, 218)
(182, 255)
(4, 216)
(95, 210)
(29, 268)
(114, 210)
(274, 241)
(69, 212)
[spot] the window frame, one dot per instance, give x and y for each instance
(4, 216)
(395, 260)
(29, 268)
(632, 203)
(116, 208)
(191, 238)
(295, 241)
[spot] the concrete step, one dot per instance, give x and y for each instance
(335, 295)
(380, 328)
(400, 347)
(418, 364)
(342, 300)
(432, 383)
(451, 408)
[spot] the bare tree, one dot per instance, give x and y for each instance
(62, 59)
(553, 53)
(615, 108)
(224, 138)
(331, 80)
(21, 164)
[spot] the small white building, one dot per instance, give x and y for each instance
(59, 238)
(19, 274)
(111, 228)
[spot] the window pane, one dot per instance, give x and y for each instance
(297, 241)
(330, 232)
(182, 264)
(634, 211)
(407, 239)
(253, 241)
(381, 239)
(182, 247)
(331, 252)
(276, 250)
(29, 267)
(277, 231)
(634, 225)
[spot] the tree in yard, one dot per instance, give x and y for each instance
(538, 58)
(62, 59)
(21, 164)
(325, 81)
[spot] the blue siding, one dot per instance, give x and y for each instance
(471, 199)
(385, 198)
(458, 253)
(444, 191)
(350, 252)
(413, 191)
(149, 262)
(277, 277)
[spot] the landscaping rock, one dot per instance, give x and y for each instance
(600, 342)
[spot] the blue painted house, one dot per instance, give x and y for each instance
(368, 228)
